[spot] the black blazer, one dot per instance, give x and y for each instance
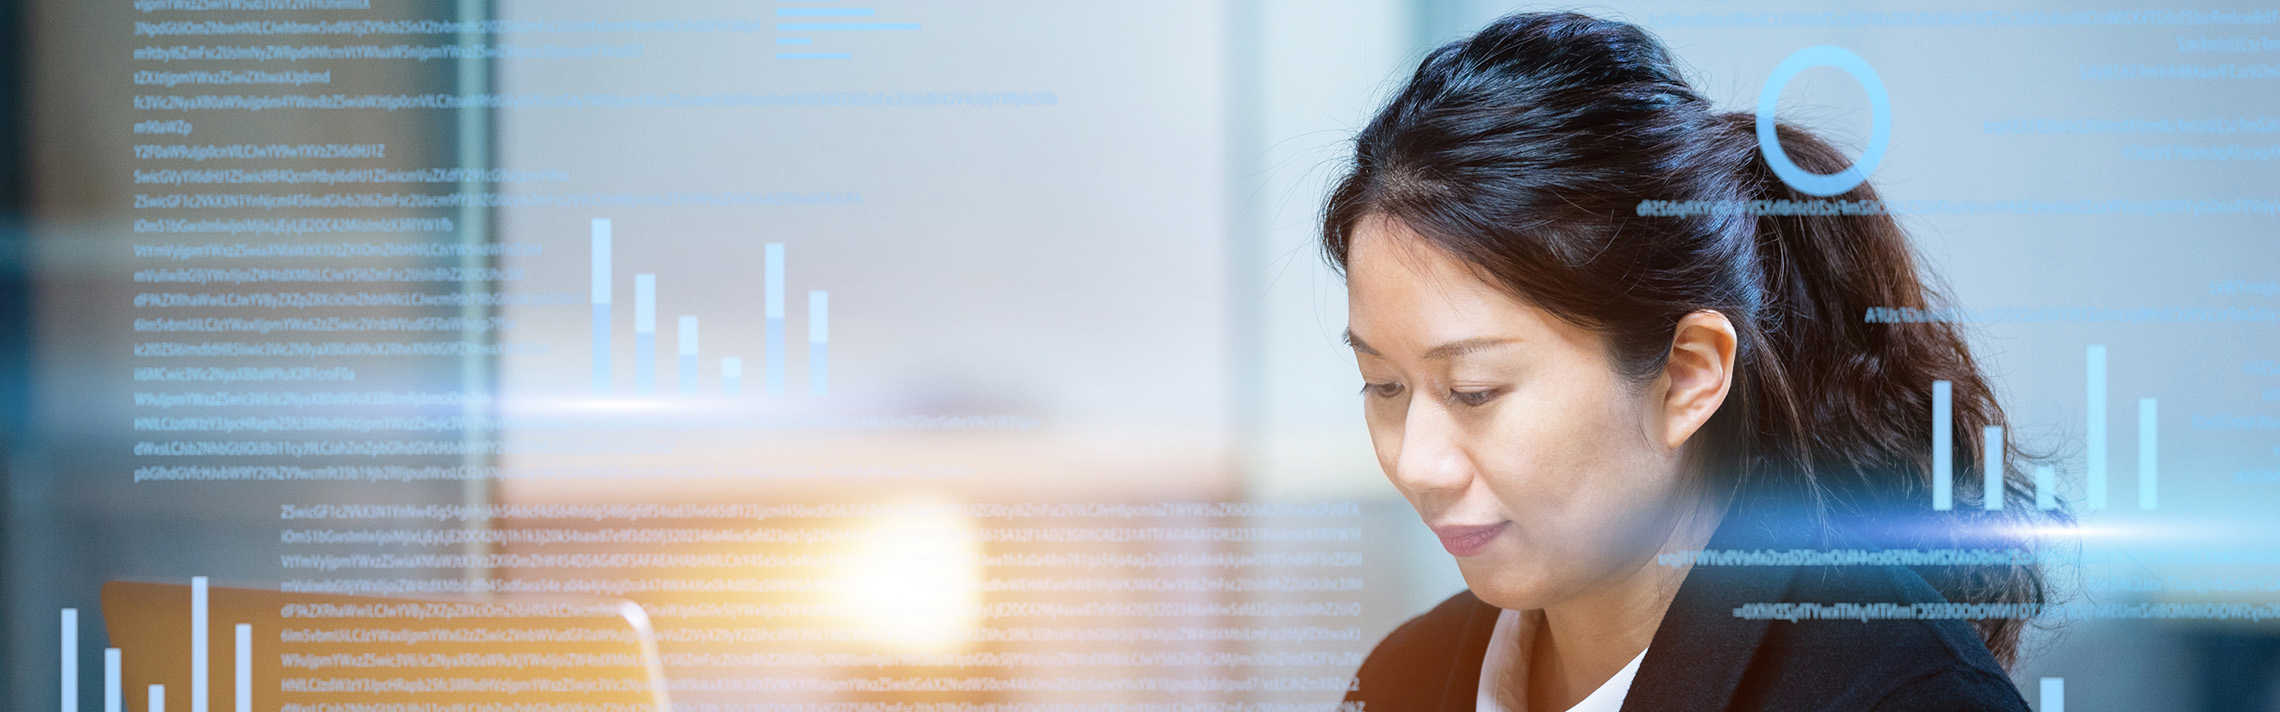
(1702, 657)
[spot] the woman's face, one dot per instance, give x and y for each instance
(1541, 469)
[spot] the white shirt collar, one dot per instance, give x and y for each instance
(1505, 645)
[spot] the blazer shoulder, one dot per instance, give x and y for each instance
(1940, 643)
(1414, 666)
(1955, 688)
(1888, 664)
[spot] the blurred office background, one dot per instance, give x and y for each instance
(1122, 264)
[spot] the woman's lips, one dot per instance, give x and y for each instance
(1467, 541)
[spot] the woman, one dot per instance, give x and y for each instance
(1573, 395)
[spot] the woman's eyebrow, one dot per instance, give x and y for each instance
(1452, 349)
(1356, 342)
(1461, 347)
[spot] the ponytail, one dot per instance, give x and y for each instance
(1852, 399)
(1530, 150)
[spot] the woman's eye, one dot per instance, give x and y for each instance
(1475, 398)
(1381, 390)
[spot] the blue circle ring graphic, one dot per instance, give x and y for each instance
(1879, 109)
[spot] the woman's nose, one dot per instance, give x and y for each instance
(1432, 452)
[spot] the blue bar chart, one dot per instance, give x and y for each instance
(689, 364)
(2096, 468)
(114, 696)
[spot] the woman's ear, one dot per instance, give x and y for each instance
(1697, 375)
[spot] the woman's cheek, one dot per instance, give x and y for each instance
(1539, 459)
(1567, 483)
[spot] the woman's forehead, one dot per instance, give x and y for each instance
(1430, 300)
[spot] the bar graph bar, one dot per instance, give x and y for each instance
(731, 376)
(645, 333)
(114, 697)
(1991, 468)
(157, 702)
(2149, 454)
(198, 647)
(1943, 445)
(2046, 487)
(601, 299)
(2053, 697)
(819, 341)
(70, 661)
(686, 333)
(773, 273)
(2094, 401)
(244, 679)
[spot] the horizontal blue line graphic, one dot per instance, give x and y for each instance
(842, 26)
(824, 12)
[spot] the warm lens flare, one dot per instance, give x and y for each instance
(912, 578)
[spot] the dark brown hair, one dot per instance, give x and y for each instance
(1526, 151)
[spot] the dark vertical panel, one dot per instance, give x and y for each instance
(15, 289)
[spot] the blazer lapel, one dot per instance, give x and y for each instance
(1700, 651)
(1460, 692)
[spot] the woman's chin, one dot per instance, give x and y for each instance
(1498, 585)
